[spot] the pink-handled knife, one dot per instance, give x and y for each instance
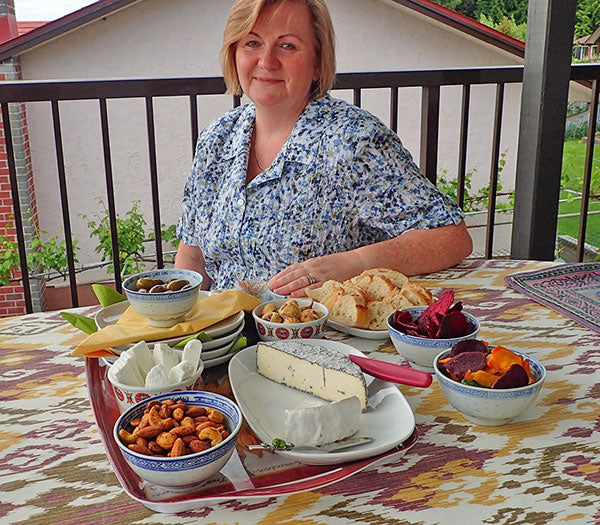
(392, 372)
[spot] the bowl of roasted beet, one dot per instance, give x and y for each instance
(420, 333)
(489, 385)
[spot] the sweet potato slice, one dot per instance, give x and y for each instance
(501, 359)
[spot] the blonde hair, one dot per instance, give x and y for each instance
(243, 17)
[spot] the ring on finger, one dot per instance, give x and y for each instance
(311, 279)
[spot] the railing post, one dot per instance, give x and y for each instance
(430, 123)
(542, 130)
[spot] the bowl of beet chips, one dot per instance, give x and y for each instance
(488, 385)
(420, 333)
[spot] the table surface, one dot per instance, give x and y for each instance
(542, 468)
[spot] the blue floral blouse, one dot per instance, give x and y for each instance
(341, 181)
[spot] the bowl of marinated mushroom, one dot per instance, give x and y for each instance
(290, 319)
(163, 296)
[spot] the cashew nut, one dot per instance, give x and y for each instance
(212, 434)
(214, 415)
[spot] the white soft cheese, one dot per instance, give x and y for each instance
(320, 371)
(125, 371)
(157, 377)
(192, 352)
(164, 355)
(143, 357)
(324, 423)
(181, 372)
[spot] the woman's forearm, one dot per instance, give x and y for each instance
(191, 258)
(418, 251)
(412, 253)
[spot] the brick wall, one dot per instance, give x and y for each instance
(12, 301)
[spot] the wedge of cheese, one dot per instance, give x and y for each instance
(313, 425)
(317, 370)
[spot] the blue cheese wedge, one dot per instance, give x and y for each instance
(312, 425)
(317, 370)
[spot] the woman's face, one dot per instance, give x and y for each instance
(276, 62)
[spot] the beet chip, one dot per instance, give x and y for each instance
(454, 324)
(459, 365)
(403, 322)
(468, 345)
(401, 317)
(514, 377)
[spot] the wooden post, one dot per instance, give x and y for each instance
(546, 77)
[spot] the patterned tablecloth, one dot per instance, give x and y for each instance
(543, 468)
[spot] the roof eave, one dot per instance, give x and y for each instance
(466, 25)
(61, 26)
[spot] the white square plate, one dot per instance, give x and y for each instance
(389, 420)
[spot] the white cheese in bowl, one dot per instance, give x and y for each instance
(317, 370)
(317, 424)
(161, 367)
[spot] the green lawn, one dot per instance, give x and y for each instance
(572, 176)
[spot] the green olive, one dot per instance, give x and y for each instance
(147, 283)
(158, 288)
(176, 284)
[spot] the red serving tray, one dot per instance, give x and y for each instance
(245, 475)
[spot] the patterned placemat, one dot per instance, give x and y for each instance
(572, 289)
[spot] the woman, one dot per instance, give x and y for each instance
(297, 187)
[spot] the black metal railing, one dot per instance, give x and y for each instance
(430, 83)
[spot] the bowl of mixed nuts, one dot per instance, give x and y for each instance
(178, 439)
(163, 296)
(290, 319)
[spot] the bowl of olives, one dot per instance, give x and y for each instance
(164, 296)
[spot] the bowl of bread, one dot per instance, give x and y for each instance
(361, 305)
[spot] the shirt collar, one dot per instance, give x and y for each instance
(302, 146)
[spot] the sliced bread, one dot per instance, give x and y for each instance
(319, 294)
(379, 312)
(397, 279)
(347, 309)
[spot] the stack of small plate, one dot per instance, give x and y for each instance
(222, 335)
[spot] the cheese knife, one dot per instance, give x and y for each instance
(281, 445)
(392, 372)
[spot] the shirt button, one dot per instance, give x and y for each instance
(240, 202)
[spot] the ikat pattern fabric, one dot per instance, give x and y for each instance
(543, 468)
(341, 181)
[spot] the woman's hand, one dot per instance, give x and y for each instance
(312, 273)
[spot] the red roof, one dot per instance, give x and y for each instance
(25, 27)
(101, 8)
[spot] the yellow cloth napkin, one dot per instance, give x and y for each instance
(132, 327)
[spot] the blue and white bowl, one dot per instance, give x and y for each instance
(190, 469)
(163, 309)
(487, 406)
(420, 351)
(268, 331)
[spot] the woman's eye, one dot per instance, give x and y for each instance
(251, 43)
(287, 45)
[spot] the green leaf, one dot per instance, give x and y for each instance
(107, 295)
(205, 338)
(82, 322)
(239, 344)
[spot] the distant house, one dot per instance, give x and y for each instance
(587, 47)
